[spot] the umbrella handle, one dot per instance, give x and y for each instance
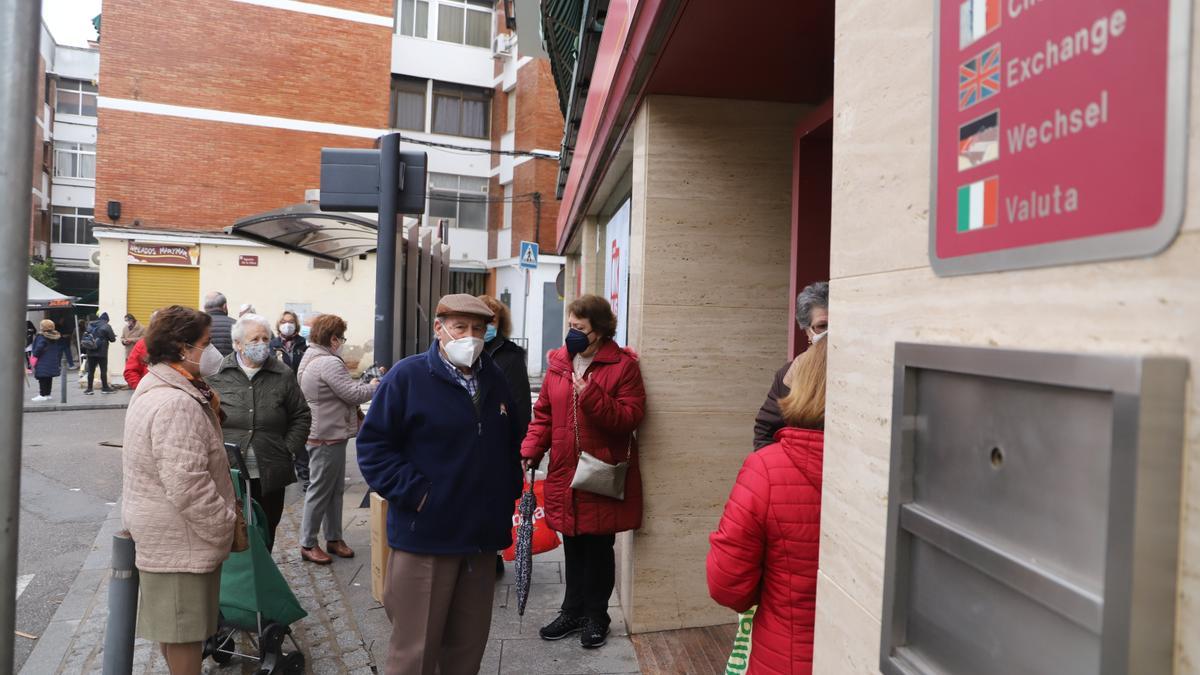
(532, 478)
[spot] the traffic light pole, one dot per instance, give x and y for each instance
(385, 255)
(19, 35)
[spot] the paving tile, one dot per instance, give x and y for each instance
(565, 657)
(490, 665)
(542, 596)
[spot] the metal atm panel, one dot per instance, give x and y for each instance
(1033, 519)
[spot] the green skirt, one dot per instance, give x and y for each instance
(178, 607)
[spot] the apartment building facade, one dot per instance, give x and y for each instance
(212, 112)
(64, 174)
(487, 115)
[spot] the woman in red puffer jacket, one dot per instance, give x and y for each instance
(593, 390)
(764, 551)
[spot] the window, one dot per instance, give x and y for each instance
(414, 18)
(74, 160)
(76, 97)
(460, 111)
(474, 283)
(408, 103)
(465, 22)
(71, 225)
(461, 198)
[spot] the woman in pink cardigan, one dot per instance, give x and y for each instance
(178, 496)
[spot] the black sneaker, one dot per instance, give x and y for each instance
(594, 634)
(108, 391)
(561, 627)
(89, 392)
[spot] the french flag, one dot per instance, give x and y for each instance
(977, 18)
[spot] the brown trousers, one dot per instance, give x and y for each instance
(440, 607)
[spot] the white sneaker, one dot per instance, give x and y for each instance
(40, 398)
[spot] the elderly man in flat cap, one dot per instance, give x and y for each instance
(442, 444)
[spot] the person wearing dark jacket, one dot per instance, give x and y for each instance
(65, 324)
(812, 314)
(265, 414)
(513, 362)
(97, 357)
(441, 444)
(288, 344)
(216, 306)
(48, 348)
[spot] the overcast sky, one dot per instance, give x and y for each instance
(70, 21)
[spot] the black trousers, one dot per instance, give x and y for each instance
(272, 505)
(45, 385)
(101, 363)
(591, 571)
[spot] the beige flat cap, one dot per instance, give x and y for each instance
(464, 303)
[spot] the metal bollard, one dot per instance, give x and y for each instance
(63, 368)
(122, 607)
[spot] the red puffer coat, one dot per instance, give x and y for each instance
(765, 550)
(611, 407)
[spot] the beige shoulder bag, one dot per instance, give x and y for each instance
(593, 474)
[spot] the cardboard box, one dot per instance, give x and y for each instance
(380, 551)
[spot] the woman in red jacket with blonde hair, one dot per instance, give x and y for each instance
(764, 551)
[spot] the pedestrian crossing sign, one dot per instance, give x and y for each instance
(529, 255)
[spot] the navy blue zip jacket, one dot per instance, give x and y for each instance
(424, 436)
(49, 355)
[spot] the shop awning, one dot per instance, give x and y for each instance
(306, 229)
(42, 297)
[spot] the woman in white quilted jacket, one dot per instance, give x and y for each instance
(179, 504)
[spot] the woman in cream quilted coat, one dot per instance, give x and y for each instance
(179, 505)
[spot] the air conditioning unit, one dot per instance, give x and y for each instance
(501, 45)
(94, 259)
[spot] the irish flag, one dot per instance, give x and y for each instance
(976, 19)
(978, 205)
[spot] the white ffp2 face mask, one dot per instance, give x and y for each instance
(210, 361)
(817, 337)
(464, 351)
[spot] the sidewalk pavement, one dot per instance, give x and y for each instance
(76, 399)
(346, 631)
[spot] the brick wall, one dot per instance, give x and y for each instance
(540, 121)
(179, 173)
(176, 173)
(245, 58)
(377, 7)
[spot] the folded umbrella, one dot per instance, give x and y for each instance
(524, 557)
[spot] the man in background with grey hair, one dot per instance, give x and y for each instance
(216, 306)
(812, 314)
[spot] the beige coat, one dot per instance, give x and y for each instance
(332, 395)
(178, 496)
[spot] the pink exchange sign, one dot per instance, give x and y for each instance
(1060, 131)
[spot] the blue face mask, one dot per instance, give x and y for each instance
(490, 333)
(304, 331)
(577, 342)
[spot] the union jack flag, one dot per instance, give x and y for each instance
(979, 78)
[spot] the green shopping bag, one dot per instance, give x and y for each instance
(739, 658)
